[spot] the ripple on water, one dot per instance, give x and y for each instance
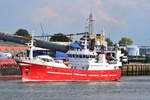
(129, 88)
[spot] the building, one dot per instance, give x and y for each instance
(133, 50)
(144, 50)
(12, 48)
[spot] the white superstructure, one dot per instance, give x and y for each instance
(97, 59)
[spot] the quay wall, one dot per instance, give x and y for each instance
(136, 69)
(9, 71)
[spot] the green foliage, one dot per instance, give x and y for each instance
(109, 42)
(60, 38)
(124, 52)
(23, 32)
(125, 41)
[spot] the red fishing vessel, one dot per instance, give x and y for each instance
(83, 65)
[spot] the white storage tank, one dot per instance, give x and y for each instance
(133, 50)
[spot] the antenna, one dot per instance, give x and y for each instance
(103, 31)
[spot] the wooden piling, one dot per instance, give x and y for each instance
(135, 69)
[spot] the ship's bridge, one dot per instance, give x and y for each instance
(84, 53)
(81, 59)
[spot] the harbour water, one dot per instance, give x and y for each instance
(128, 88)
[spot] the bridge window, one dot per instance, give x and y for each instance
(80, 56)
(84, 56)
(46, 60)
(87, 56)
(91, 56)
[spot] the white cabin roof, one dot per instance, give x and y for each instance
(45, 56)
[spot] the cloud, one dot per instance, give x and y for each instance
(100, 13)
(104, 16)
(43, 13)
(73, 13)
(98, 2)
(51, 15)
(135, 3)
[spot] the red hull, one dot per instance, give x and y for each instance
(34, 72)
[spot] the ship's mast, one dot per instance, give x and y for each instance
(88, 29)
(31, 48)
(90, 23)
(85, 41)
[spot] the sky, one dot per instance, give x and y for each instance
(120, 18)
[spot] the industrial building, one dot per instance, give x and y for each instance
(12, 48)
(144, 50)
(133, 50)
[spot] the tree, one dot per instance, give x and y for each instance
(109, 42)
(23, 32)
(125, 41)
(124, 52)
(60, 38)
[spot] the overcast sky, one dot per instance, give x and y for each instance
(130, 18)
